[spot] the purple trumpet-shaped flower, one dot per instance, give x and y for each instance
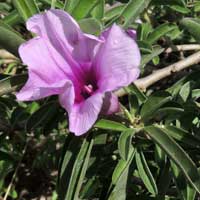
(81, 68)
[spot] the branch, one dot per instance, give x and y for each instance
(144, 83)
(6, 55)
(184, 47)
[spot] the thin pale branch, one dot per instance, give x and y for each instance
(6, 55)
(144, 83)
(184, 47)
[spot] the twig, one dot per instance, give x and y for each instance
(7, 61)
(15, 173)
(144, 83)
(184, 47)
(6, 55)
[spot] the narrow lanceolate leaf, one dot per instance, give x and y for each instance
(70, 152)
(90, 25)
(83, 8)
(185, 91)
(76, 170)
(124, 144)
(70, 5)
(121, 166)
(42, 116)
(154, 102)
(53, 2)
(145, 173)
(26, 9)
(9, 38)
(132, 11)
(186, 192)
(182, 135)
(192, 25)
(12, 18)
(164, 180)
(11, 83)
(110, 125)
(113, 12)
(148, 57)
(133, 89)
(57, 3)
(177, 154)
(98, 11)
(83, 170)
(160, 31)
(120, 189)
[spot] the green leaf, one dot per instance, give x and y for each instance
(166, 112)
(195, 94)
(125, 144)
(11, 83)
(98, 11)
(110, 125)
(177, 154)
(148, 57)
(192, 25)
(76, 170)
(113, 12)
(12, 18)
(180, 9)
(83, 8)
(70, 5)
(120, 189)
(120, 168)
(144, 46)
(83, 170)
(70, 153)
(196, 6)
(192, 77)
(186, 192)
(154, 102)
(53, 2)
(182, 135)
(133, 104)
(90, 188)
(26, 9)
(132, 11)
(164, 179)
(58, 4)
(9, 39)
(185, 91)
(133, 89)
(42, 116)
(145, 173)
(160, 31)
(90, 25)
(143, 31)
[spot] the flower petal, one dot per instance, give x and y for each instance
(55, 23)
(85, 50)
(132, 33)
(48, 72)
(117, 62)
(36, 88)
(84, 115)
(67, 98)
(40, 59)
(110, 104)
(67, 37)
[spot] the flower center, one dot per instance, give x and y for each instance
(87, 91)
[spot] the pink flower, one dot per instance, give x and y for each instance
(81, 68)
